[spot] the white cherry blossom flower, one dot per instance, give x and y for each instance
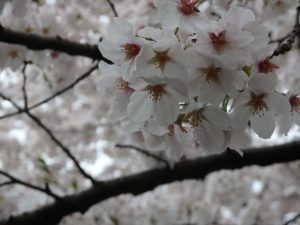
(208, 125)
(263, 63)
(112, 85)
(174, 142)
(293, 116)
(211, 80)
(121, 46)
(155, 97)
(259, 106)
(175, 13)
(163, 57)
(226, 38)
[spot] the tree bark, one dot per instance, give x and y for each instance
(144, 181)
(38, 43)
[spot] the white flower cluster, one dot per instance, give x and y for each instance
(194, 81)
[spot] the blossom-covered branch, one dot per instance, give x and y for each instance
(139, 183)
(37, 42)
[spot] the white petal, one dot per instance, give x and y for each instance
(154, 142)
(210, 138)
(167, 110)
(107, 85)
(238, 38)
(112, 51)
(278, 103)
(240, 117)
(239, 140)
(119, 106)
(140, 107)
(154, 128)
(260, 34)
(217, 117)
(241, 99)
(120, 30)
(263, 125)
(285, 123)
(262, 83)
(238, 16)
(150, 32)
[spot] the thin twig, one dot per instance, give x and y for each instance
(112, 6)
(6, 183)
(70, 86)
(60, 92)
(52, 137)
(286, 42)
(145, 152)
(24, 84)
(280, 40)
(13, 179)
(294, 219)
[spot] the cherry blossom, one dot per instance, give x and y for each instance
(260, 106)
(155, 97)
(293, 116)
(188, 72)
(211, 80)
(114, 86)
(122, 47)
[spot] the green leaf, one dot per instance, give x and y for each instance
(74, 183)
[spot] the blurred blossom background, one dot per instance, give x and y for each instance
(250, 196)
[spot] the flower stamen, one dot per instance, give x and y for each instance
(218, 40)
(123, 85)
(210, 73)
(160, 59)
(257, 103)
(187, 7)
(266, 66)
(156, 91)
(131, 50)
(295, 103)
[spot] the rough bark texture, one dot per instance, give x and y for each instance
(38, 42)
(141, 182)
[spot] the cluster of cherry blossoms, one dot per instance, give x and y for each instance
(195, 82)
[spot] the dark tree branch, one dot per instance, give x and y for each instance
(38, 42)
(60, 92)
(24, 85)
(14, 180)
(6, 183)
(286, 42)
(141, 182)
(146, 153)
(112, 6)
(52, 137)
